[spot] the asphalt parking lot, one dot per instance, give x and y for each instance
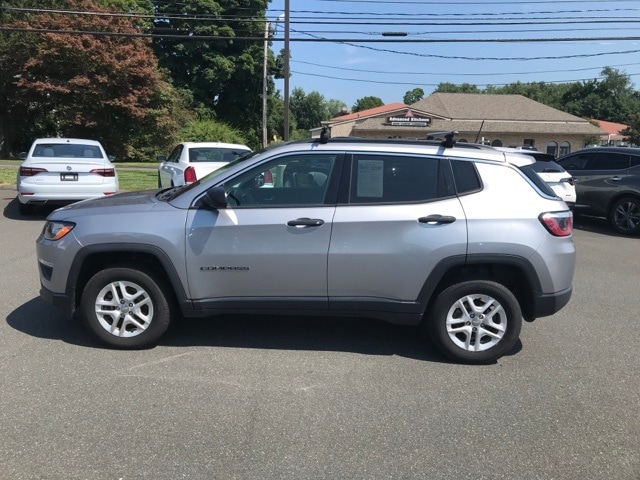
(292, 398)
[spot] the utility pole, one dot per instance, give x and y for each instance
(264, 86)
(286, 70)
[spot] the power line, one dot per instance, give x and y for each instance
(475, 74)
(360, 80)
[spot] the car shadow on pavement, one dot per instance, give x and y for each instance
(11, 210)
(355, 335)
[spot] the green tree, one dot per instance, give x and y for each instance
(446, 87)
(366, 103)
(308, 109)
(223, 75)
(107, 88)
(210, 131)
(413, 96)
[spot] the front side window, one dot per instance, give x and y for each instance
(395, 179)
(292, 180)
(577, 161)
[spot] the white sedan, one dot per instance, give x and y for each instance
(190, 161)
(64, 170)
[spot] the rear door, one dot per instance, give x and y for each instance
(399, 219)
(601, 179)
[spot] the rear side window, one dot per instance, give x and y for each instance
(465, 176)
(609, 161)
(396, 179)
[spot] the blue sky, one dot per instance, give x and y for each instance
(350, 70)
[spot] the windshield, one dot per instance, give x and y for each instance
(173, 192)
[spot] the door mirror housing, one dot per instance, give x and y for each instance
(215, 199)
(161, 158)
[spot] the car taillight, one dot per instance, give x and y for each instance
(104, 172)
(30, 172)
(568, 180)
(268, 177)
(190, 175)
(559, 224)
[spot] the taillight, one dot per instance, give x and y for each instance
(30, 172)
(268, 177)
(190, 175)
(559, 224)
(104, 172)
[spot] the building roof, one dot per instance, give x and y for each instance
(370, 112)
(613, 129)
(473, 106)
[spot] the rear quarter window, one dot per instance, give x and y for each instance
(465, 176)
(532, 175)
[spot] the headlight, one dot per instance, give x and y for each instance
(56, 230)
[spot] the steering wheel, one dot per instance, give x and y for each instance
(243, 196)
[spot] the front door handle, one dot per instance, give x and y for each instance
(437, 219)
(616, 178)
(305, 222)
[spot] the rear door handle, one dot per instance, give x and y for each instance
(616, 178)
(437, 219)
(306, 222)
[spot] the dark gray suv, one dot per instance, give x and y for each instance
(607, 181)
(462, 239)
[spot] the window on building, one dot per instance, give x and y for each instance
(565, 148)
(496, 143)
(529, 142)
(552, 148)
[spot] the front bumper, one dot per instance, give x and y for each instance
(62, 301)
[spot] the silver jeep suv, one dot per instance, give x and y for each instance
(461, 239)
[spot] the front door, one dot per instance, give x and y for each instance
(270, 245)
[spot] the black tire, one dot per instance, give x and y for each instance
(138, 323)
(624, 216)
(25, 208)
(462, 333)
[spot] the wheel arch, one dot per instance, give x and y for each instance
(94, 258)
(515, 273)
(619, 196)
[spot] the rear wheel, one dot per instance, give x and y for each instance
(126, 307)
(625, 216)
(477, 321)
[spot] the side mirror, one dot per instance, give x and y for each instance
(161, 158)
(215, 198)
(22, 155)
(112, 158)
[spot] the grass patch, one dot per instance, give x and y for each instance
(129, 180)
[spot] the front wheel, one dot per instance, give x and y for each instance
(126, 307)
(625, 216)
(477, 321)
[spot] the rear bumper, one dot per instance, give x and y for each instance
(549, 304)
